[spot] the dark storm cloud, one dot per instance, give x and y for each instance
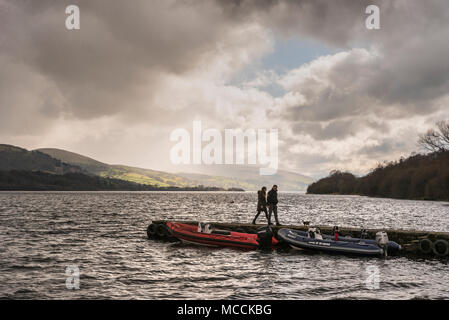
(116, 61)
(334, 22)
(403, 71)
(117, 64)
(117, 58)
(384, 147)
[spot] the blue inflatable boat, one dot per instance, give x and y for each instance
(391, 246)
(313, 240)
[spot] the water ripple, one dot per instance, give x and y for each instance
(103, 233)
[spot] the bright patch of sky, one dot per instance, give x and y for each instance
(293, 52)
(287, 54)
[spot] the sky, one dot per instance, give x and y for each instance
(342, 96)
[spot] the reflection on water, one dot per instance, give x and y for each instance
(104, 234)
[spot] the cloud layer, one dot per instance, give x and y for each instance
(116, 88)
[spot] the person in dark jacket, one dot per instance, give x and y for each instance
(272, 201)
(261, 203)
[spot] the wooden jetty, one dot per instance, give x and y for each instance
(413, 242)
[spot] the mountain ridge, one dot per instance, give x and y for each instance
(247, 178)
(66, 161)
(117, 171)
(16, 158)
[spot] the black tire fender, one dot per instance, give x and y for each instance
(441, 248)
(161, 231)
(151, 231)
(425, 246)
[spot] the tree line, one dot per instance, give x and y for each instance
(420, 176)
(76, 181)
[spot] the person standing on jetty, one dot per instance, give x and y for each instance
(272, 201)
(261, 203)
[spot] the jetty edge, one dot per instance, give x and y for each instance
(417, 243)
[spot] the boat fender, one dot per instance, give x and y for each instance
(441, 248)
(162, 231)
(151, 230)
(425, 246)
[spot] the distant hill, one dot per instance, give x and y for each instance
(242, 177)
(44, 181)
(420, 176)
(54, 169)
(15, 158)
(137, 175)
(248, 177)
(76, 159)
(76, 181)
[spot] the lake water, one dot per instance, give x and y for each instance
(104, 235)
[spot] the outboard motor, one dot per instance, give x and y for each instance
(382, 240)
(265, 237)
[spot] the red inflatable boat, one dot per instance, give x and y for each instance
(217, 238)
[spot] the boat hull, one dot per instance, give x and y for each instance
(297, 240)
(189, 234)
(391, 246)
